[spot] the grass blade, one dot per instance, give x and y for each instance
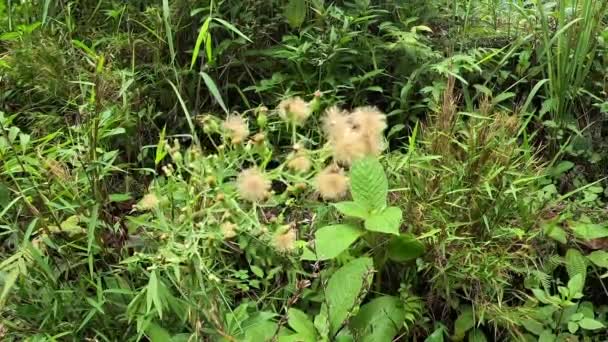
(213, 89)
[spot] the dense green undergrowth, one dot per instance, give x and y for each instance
(303, 171)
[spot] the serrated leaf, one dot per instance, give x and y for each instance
(344, 290)
(588, 231)
(386, 221)
(369, 185)
(378, 320)
(599, 258)
(295, 12)
(300, 323)
(404, 247)
(576, 264)
(590, 324)
(332, 240)
(352, 209)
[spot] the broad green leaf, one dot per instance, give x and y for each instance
(464, 323)
(436, 336)
(352, 209)
(157, 333)
(404, 247)
(575, 284)
(590, 324)
(369, 185)
(576, 264)
(541, 296)
(572, 327)
(546, 336)
(213, 90)
(599, 258)
(379, 320)
(588, 231)
(560, 168)
(345, 290)
(330, 241)
(295, 12)
(552, 230)
(386, 221)
(300, 323)
(477, 335)
(533, 326)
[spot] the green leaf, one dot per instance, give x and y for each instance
(552, 230)
(300, 323)
(576, 264)
(213, 90)
(541, 296)
(257, 271)
(546, 336)
(464, 323)
(167, 22)
(332, 240)
(575, 284)
(533, 326)
(590, 324)
(9, 282)
(295, 12)
(599, 258)
(561, 168)
(379, 320)
(352, 209)
(387, 221)
(232, 28)
(436, 336)
(588, 231)
(369, 185)
(345, 288)
(404, 247)
(572, 327)
(202, 35)
(477, 335)
(157, 333)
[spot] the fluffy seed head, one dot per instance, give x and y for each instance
(285, 242)
(331, 183)
(228, 229)
(236, 128)
(148, 202)
(300, 163)
(252, 185)
(355, 135)
(294, 110)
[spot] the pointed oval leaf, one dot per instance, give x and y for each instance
(590, 324)
(379, 320)
(599, 258)
(387, 221)
(369, 185)
(295, 12)
(345, 290)
(404, 248)
(332, 240)
(352, 209)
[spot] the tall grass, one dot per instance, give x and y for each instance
(568, 53)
